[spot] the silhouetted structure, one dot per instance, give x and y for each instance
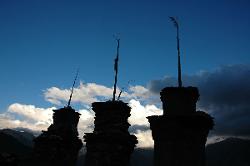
(110, 144)
(59, 145)
(180, 133)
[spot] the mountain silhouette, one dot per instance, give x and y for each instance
(16, 147)
(229, 152)
(15, 142)
(23, 136)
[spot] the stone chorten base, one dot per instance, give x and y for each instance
(180, 134)
(59, 145)
(110, 144)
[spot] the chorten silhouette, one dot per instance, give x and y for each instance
(59, 145)
(110, 144)
(180, 134)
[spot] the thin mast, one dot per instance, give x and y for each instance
(116, 66)
(173, 19)
(72, 89)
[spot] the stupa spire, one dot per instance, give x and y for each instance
(72, 89)
(116, 67)
(176, 24)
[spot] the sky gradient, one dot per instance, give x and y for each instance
(43, 42)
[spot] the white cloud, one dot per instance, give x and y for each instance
(35, 118)
(30, 112)
(140, 112)
(53, 95)
(139, 92)
(7, 121)
(86, 122)
(145, 139)
(26, 116)
(87, 93)
(138, 118)
(84, 94)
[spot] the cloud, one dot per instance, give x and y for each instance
(225, 94)
(139, 123)
(86, 122)
(87, 93)
(140, 112)
(35, 118)
(26, 116)
(145, 139)
(139, 92)
(32, 113)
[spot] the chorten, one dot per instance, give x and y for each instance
(180, 134)
(59, 145)
(110, 144)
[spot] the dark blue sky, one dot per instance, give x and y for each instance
(43, 42)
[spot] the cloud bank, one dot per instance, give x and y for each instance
(32, 117)
(225, 94)
(26, 116)
(92, 92)
(85, 94)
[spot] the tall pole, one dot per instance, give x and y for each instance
(72, 89)
(116, 67)
(178, 49)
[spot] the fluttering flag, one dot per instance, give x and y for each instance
(174, 21)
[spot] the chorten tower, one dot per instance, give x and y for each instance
(110, 144)
(180, 134)
(59, 145)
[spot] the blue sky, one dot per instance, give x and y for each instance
(43, 42)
